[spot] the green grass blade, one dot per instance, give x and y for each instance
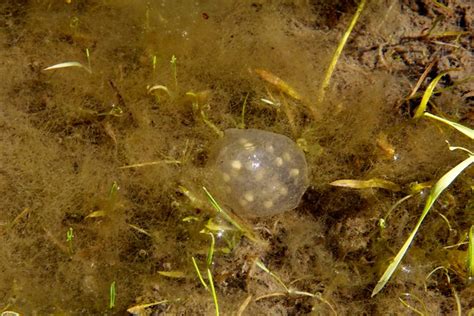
(198, 272)
(112, 295)
(437, 189)
(213, 291)
(276, 277)
(428, 92)
(337, 53)
(210, 254)
(247, 233)
(463, 129)
(219, 209)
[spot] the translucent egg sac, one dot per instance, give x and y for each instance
(257, 173)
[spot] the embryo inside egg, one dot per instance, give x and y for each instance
(258, 173)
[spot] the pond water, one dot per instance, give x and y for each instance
(109, 113)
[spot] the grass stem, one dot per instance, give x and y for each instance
(337, 54)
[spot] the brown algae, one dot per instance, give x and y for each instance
(102, 162)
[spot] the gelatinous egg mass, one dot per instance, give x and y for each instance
(257, 173)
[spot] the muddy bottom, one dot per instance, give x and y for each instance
(110, 114)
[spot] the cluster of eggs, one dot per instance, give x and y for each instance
(258, 173)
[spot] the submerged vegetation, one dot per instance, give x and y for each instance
(108, 119)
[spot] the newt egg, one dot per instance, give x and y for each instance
(257, 173)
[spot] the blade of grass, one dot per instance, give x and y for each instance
(159, 87)
(95, 214)
(210, 254)
(337, 53)
(428, 92)
(69, 238)
(463, 129)
(154, 63)
(7, 312)
(250, 235)
(198, 272)
(288, 290)
(444, 270)
(437, 189)
(276, 277)
(244, 305)
(210, 124)
(140, 230)
(68, 64)
(212, 226)
(383, 221)
(88, 55)
(443, 89)
(113, 294)
(213, 291)
(20, 216)
(413, 308)
(443, 7)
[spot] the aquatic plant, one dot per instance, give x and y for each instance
(435, 192)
